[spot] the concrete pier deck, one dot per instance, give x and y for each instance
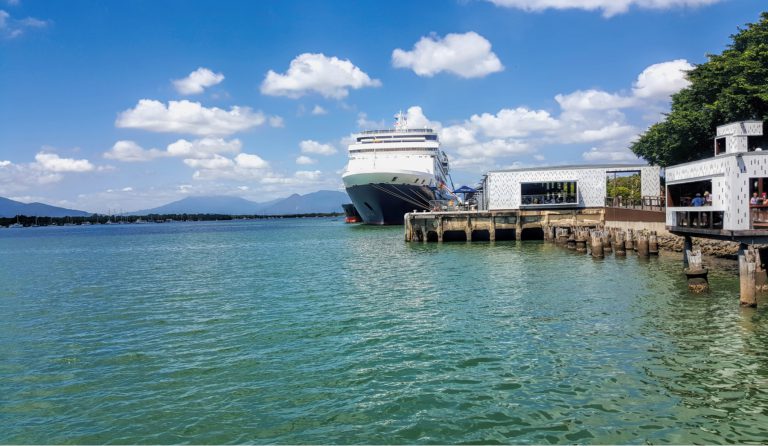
(497, 225)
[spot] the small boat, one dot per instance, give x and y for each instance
(351, 214)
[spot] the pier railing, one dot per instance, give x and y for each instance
(446, 205)
(648, 203)
(700, 219)
(543, 200)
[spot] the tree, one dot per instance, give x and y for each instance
(732, 86)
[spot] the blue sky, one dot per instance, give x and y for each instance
(128, 105)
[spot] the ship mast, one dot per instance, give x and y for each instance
(401, 123)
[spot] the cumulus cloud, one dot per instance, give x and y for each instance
(466, 55)
(52, 162)
(593, 100)
(318, 110)
(314, 147)
(662, 80)
(11, 28)
(214, 162)
(251, 161)
(188, 117)
(197, 81)
(47, 168)
(305, 160)
(513, 123)
(203, 148)
(330, 77)
(609, 8)
(613, 155)
(129, 151)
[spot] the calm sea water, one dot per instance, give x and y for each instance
(312, 331)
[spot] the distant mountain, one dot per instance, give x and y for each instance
(324, 201)
(10, 208)
(205, 205)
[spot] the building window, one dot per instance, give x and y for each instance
(684, 194)
(548, 193)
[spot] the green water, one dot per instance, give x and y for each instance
(312, 331)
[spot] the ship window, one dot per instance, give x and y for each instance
(394, 179)
(416, 180)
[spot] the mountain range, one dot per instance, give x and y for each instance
(10, 208)
(324, 201)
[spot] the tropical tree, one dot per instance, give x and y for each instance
(732, 86)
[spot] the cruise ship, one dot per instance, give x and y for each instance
(391, 172)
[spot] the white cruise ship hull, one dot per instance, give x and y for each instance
(383, 198)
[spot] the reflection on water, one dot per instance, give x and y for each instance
(310, 331)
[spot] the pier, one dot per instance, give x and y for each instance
(529, 224)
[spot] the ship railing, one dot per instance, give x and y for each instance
(424, 130)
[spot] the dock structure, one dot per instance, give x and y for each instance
(541, 224)
(725, 197)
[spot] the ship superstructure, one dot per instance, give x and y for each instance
(394, 171)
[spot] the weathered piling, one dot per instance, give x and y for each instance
(606, 240)
(571, 244)
(628, 244)
(696, 273)
(581, 240)
(619, 249)
(653, 243)
(747, 264)
(596, 244)
(642, 246)
(562, 236)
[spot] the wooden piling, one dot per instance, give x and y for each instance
(653, 244)
(642, 245)
(596, 245)
(581, 241)
(619, 246)
(628, 244)
(747, 294)
(696, 274)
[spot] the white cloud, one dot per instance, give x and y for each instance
(203, 148)
(5, 163)
(11, 28)
(276, 121)
(593, 100)
(197, 81)
(417, 120)
(251, 161)
(51, 162)
(608, 7)
(314, 147)
(308, 175)
(305, 160)
(364, 123)
(661, 80)
(508, 123)
(318, 110)
(465, 55)
(188, 117)
(331, 77)
(215, 162)
(457, 135)
(494, 148)
(595, 154)
(127, 189)
(129, 151)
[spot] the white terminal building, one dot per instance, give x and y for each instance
(562, 187)
(737, 172)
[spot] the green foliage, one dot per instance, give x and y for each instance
(732, 86)
(628, 188)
